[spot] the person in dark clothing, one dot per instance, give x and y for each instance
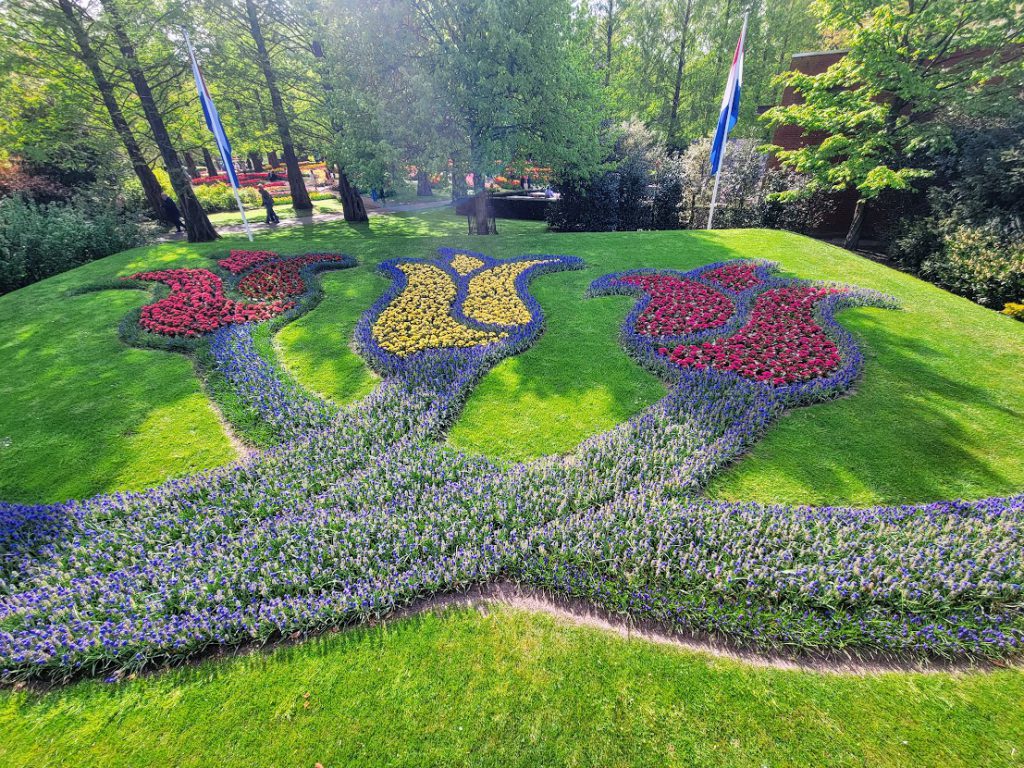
(171, 212)
(268, 203)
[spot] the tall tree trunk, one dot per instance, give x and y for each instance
(272, 159)
(256, 160)
(190, 165)
(856, 224)
(609, 31)
(150, 186)
(673, 120)
(458, 182)
(211, 166)
(423, 188)
(197, 224)
(483, 222)
(300, 197)
(351, 201)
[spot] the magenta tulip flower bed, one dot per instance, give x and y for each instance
(359, 510)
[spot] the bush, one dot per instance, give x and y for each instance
(981, 263)
(1014, 310)
(587, 206)
(219, 197)
(40, 240)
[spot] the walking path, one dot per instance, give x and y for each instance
(373, 209)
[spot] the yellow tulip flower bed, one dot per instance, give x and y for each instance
(420, 317)
(492, 296)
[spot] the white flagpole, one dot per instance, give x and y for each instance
(225, 160)
(721, 162)
(725, 138)
(241, 209)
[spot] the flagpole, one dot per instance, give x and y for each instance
(721, 162)
(226, 159)
(725, 138)
(241, 209)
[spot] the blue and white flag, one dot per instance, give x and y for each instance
(730, 103)
(212, 117)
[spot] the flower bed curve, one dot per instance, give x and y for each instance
(362, 509)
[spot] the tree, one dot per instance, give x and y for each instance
(910, 64)
(670, 59)
(197, 224)
(51, 31)
(528, 92)
(300, 197)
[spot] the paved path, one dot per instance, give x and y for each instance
(373, 209)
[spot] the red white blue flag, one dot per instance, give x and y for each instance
(730, 103)
(212, 117)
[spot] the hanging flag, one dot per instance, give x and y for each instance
(212, 117)
(730, 103)
(217, 129)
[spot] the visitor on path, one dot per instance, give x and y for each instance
(272, 176)
(171, 212)
(268, 202)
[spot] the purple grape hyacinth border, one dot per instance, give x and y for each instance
(361, 510)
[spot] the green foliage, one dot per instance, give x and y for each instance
(880, 106)
(658, 45)
(37, 241)
(219, 197)
(516, 79)
(981, 264)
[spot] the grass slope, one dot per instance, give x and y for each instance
(936, 415)
(512, 689)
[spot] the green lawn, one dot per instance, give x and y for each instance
(936, 415)
(512, 689)
(258, 216)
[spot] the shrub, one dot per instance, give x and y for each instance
(587, 206)
(1014, 310)
(982, 263)
(40, 240)
(219, 197)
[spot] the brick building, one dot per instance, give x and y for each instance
(837, 222)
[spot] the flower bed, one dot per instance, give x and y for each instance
(361, 510)
(678, 306)
(239, 261)
(735, 277)
(282, 278)
(197, 304)
(781, 342)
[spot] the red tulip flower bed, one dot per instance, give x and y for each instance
(679, 306)
(197, 304)
(735, 277)
(239, 261)
(282, 278)
(781, 343)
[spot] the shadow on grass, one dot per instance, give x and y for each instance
(903, 435)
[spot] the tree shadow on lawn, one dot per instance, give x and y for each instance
(577, 380)
(902, 435)
(88, 414)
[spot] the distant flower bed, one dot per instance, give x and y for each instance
(362, 509)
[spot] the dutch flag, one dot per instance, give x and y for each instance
(730, 103)
(212, 117)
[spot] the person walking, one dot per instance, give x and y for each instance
(171, 212)
(268, 203)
